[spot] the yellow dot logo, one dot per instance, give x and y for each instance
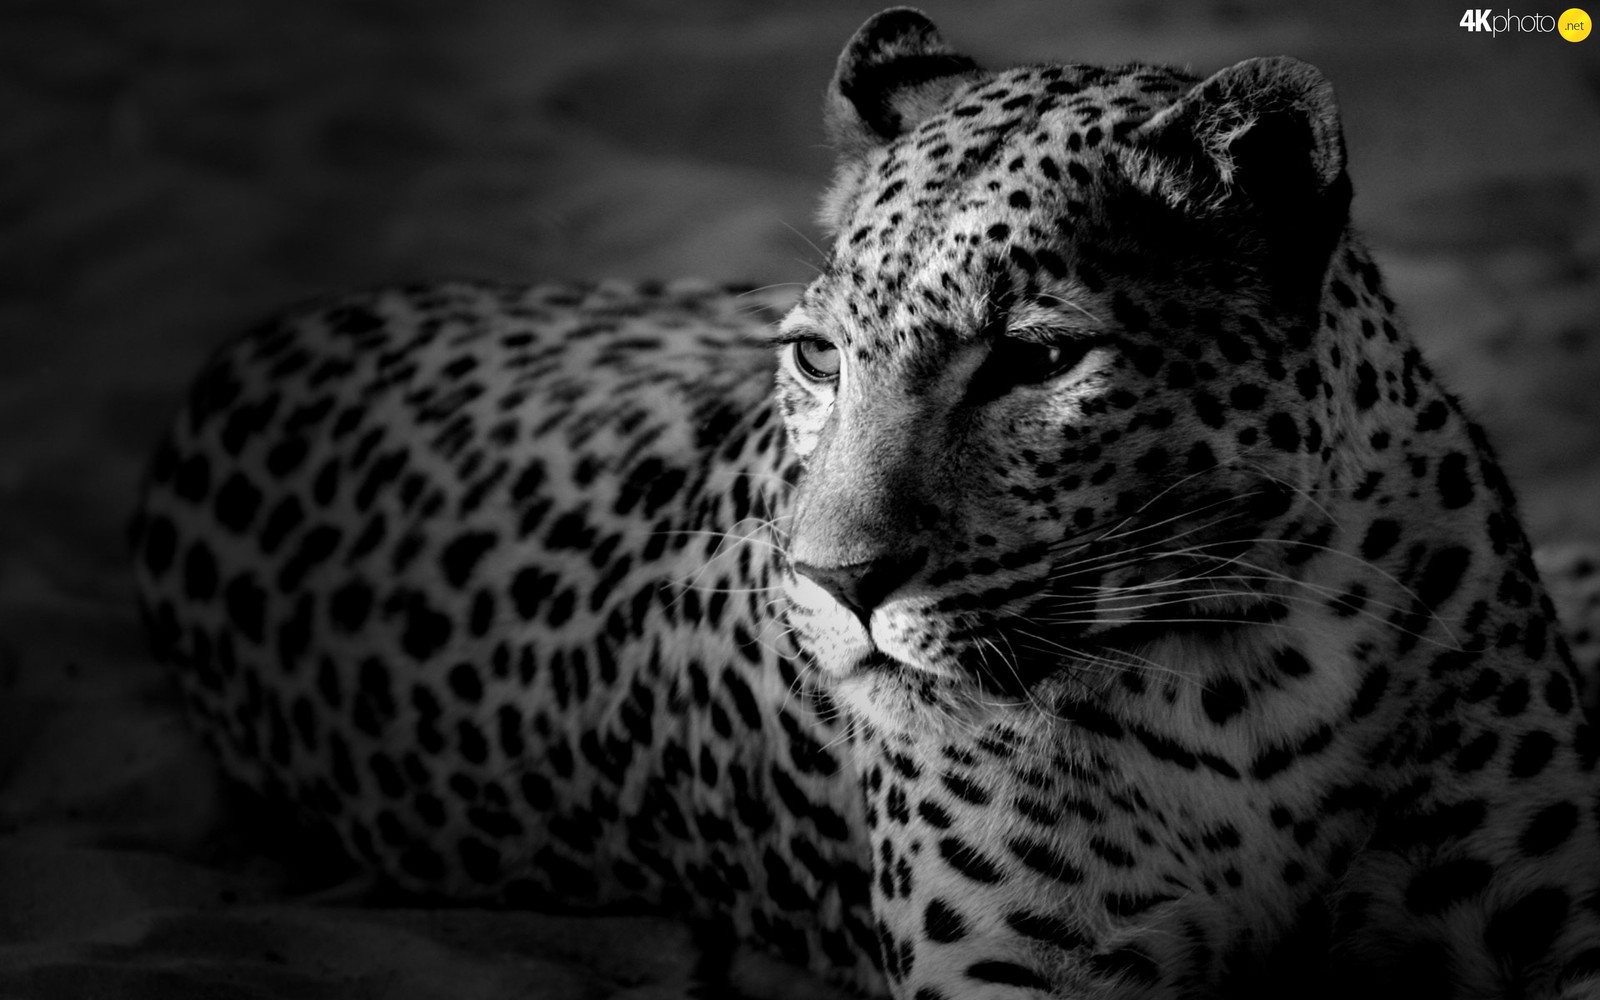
(1573, 24)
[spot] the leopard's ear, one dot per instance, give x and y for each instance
(892, 74)
(1261, 142)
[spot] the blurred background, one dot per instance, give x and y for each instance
(172, 170)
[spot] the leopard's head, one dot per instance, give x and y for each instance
(1058, 373)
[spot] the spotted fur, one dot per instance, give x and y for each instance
(1094, 594)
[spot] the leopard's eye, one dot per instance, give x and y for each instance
(817, 359)
(1015, 361)
(1030, 361)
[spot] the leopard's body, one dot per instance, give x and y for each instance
(1107, 601)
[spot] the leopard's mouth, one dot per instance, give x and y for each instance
(1037, 657)
(900, 696)
(880, 664)
(980, 677)
(1079, 626)
(879, 660)
(879, 669)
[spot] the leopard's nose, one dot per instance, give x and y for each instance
(862, 586)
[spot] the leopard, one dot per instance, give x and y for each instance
(1083, 587)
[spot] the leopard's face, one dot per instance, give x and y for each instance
(1045, 395)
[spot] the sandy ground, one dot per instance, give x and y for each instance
(171, 170)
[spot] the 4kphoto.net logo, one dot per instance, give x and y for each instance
(1572, 24)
